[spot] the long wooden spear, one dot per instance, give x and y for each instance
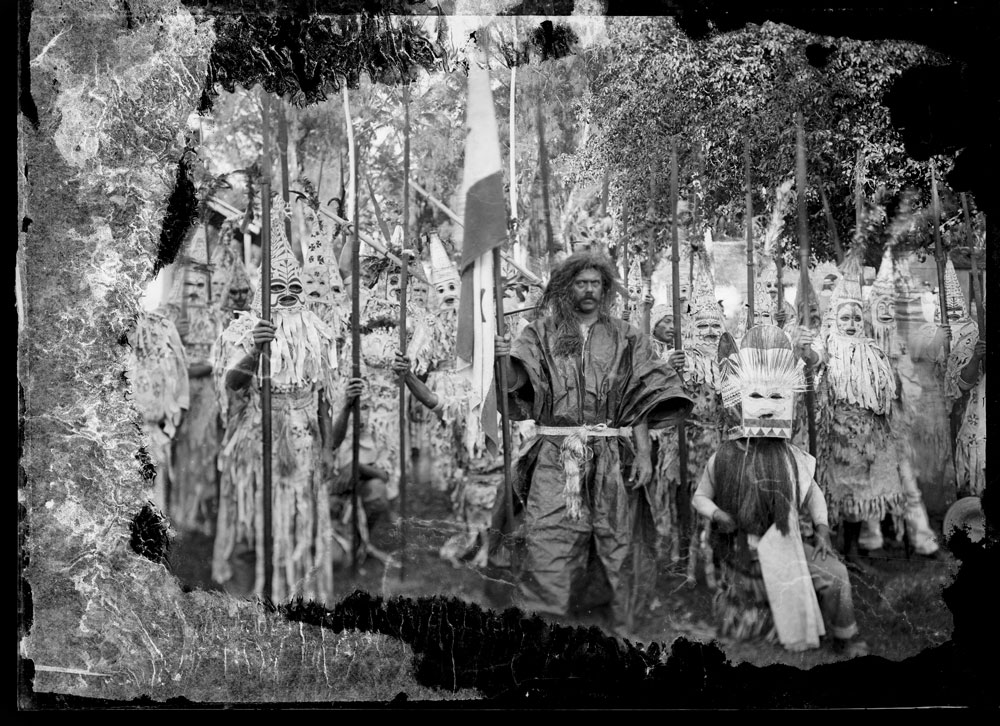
(403, 423)
(265, 358)
(977, 290)
(650, 251)
(939, 254)
(683, 493)
(749, 222)
(353, 206)
(500, 371)
(403, 282)
(804, 283)
(283, 153)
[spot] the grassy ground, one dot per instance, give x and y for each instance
(898, 600)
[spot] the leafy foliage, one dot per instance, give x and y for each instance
(303, 59)
(655, 85)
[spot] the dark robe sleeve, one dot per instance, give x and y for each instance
(528, 350)
(653, 391)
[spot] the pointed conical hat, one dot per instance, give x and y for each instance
(284, 264)
(634, 274)
(443, 269)
(954, 297)
(848, 289)
(704, 304)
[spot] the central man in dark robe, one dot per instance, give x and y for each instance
(595, 388)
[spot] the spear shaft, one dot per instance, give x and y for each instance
(804, 284)
(749, 222)
(683, 494)
(355, 334)
(265, 358)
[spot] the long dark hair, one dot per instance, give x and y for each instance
(557, 299)
(753, 484)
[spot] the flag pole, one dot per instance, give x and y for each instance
(683, 495)
(352, 152)
(804, 284)
(265, 359)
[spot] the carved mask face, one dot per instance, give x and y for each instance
(849, 320)
(195, 288)
(316, 284)
(448, 294)
(762, 315)
(708, 330)
(772, 289)
(286, 289)
(219, 287)
(767, 412)
(419, 293)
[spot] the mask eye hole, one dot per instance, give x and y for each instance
(755, 395)
(776, 396)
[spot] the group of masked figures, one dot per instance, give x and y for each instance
(196, 374)
(583, 522)
(885, 382)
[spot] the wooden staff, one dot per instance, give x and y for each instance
(355, 333)
(605, 184)
(283, 153)
(939, 255)
(380, 220)
(403, 281)
(403, 284)
(512, 131)
(859, 197)
(977, 290)
(500, 368)
(650, 254)
(749, 220)
(804, 284)
(265, 358)
(208, 253)
(683, 494)
(625, 263)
